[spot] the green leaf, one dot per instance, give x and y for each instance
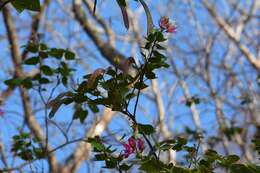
(160, 37)
(150, 75)
(46, 70)
(26, 154)
(69, 55)
(43, 54)
(130, 96)
(212, 155)
(64, 80)
(27, 83)
(124, 167)
(20, 5)
(16, 137)
(240, 168)
(32, 61)
(111, 163)
(32, 48)
(147, 129)
(180, 143)
(148, 46)
(256, 142)
(39, 153)
(121, 2)
(80, 98)
(96, 144)
(24, 135)
(55, 106)
(43, 46)
(176, 169)
(44, 80)
(158, 46)
(13, 82)
(57, 53)
(100, 157)
(232, 159)
(140, 85)
(151, 37)
(93, 108)
(111, 72)
(150, 165)
(64, 70)
(81, 114)
(158, 55)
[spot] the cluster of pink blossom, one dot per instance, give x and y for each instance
(167, 25)
(132, 146)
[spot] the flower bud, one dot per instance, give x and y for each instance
(128, 150)
(131, 142)
(164, 22)
(140, 145)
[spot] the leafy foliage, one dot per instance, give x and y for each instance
(116, 89)
(33, 5)
(27, 148)
(42, 53)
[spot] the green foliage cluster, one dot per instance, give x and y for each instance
(21, 5)
(33, 5)
(40, 54)
(27, 148)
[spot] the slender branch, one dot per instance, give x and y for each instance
(28, 113)
(83, 149)
(228, 30)
(33, 37)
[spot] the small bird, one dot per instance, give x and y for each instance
(129, 67)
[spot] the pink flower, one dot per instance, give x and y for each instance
(167, 25)
(1, 113)
(172, 28)
(128, 150)
(140, 144)
(164, 22)
(131, 142)
(131, 146)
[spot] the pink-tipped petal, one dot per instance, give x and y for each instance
(128, 150)
(163, 23)
(131, 142)
(140, 145)
(171, 28)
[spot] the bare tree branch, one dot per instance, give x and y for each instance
(232, 35)
(83, 150)
(28, 114)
